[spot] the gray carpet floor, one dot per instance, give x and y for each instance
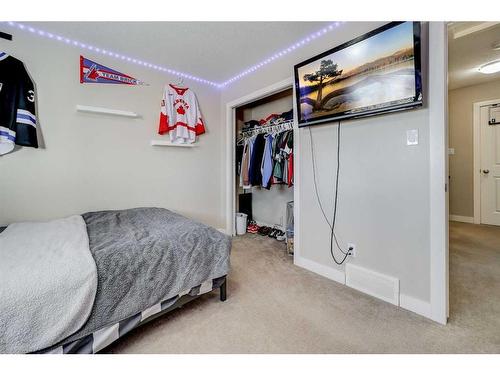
(275, 307)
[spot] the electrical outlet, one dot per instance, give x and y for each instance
(351, 249)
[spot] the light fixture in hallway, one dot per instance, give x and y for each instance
(490, 68)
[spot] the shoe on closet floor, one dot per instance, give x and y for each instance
(274, 232)
(281, 236)
(252, 227)
(264, 231)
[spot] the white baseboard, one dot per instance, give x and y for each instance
(415, 305)
(223, 230)
(462, 219)
(391, 295)
(373, 283)
(328, 272)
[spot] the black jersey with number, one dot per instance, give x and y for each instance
(17, 105)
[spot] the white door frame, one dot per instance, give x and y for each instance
(231, 152)
(438, 139)
(476, 136)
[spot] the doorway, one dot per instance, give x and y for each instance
(232, 203)
(474, 171)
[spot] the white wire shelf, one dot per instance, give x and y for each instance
(288, 125)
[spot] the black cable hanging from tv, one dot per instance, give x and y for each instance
(333, 236)
(317, 193)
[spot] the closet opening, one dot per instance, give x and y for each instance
(264, 170)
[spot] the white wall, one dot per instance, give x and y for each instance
(93, 162)
(384, 184)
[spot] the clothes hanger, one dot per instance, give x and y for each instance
(277, 130)
(179, 82)
(240, 141)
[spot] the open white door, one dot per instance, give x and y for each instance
(490, 165)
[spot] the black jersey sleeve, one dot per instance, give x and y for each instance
(26, 120)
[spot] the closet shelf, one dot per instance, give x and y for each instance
(157, 142)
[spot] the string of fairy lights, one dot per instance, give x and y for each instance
(103, 51)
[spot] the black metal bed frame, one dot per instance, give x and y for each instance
(184, 300)
(80, 346)
(180, 303)
(223, 290)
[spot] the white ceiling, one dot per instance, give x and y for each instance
(212, 50)
(219, 50)
(470, 46)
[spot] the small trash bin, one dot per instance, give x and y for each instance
(241, 223)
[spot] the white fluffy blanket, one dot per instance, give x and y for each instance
(48, 282)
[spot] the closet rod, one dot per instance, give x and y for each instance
(288, 125)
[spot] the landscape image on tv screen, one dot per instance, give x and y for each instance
(367, 76)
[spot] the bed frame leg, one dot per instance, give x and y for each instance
(223, 291)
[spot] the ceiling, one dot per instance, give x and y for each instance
(218, 51)
(212, 50)
(469, 46)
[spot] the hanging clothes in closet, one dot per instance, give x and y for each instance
(255, 172)
(283, 167)
(267, 157)
(267, 162)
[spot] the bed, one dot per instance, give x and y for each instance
(147, 262)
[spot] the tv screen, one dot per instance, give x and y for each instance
(375, 73)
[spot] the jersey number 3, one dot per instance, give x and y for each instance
(31, 96)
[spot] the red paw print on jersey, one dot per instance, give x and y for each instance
(181, 110)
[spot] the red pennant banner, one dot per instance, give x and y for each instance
(92, 72)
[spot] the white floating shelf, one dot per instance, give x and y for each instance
(157, 142)
(106, 111)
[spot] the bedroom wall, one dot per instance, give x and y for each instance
(95, 162)
(460, 105)
(384, 184)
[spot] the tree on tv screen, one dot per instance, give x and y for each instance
(327, 69)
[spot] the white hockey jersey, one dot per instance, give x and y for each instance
(180, 115)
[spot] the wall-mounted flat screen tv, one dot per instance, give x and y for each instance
(375, 73)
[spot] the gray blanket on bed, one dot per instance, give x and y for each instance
(146, 255)
(48, 283)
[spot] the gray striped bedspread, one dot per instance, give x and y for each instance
(145, 256)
